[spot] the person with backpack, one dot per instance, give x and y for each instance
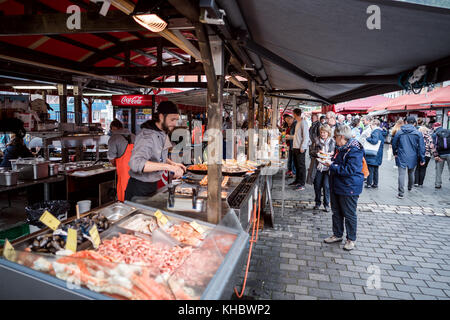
(120, 146)
(441, 140)
(374, 158)
(419, 175)
(408, 148)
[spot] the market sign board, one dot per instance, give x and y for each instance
(132, 100)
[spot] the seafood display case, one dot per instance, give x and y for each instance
(145, 253)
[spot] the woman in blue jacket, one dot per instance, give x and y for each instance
(374, 160)
(346, 184)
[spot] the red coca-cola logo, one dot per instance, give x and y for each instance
(127, 100)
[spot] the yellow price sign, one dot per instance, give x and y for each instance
(197, 227)
(9, 252)
(161, 217)
(49, 220)
(71, 242)
(95, 236)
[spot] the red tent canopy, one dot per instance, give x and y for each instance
(436, 98)
(360, 105)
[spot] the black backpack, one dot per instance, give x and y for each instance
(442, 140)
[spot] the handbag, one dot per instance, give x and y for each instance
(365, 168)
(371, 149)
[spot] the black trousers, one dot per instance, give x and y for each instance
(300, 166)
(137, 188)
(419, 174)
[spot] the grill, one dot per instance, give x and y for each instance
(239, 199)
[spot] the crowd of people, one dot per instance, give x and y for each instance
(355, 146)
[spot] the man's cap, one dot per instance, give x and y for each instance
(410, 119)
(167, 107)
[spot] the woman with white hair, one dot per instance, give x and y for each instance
(346, 184)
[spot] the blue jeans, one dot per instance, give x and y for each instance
(372, 179)
(322, 182)
(344, 210)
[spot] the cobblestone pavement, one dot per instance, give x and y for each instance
(402, 249)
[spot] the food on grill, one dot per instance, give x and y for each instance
(204, 194)
(204, 181)
(225, 181)
(198, 167)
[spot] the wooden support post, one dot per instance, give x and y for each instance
(62, 92)
(261, 109)
(214, 113)
(233, 127)
(215, 148)
(275, 113)
(77, 88)
(251, 121)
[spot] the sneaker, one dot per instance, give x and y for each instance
(438, 187)
(332, 239)
(326, 209)
(400, 196)
(409, 189)
(299, 188)
(316, 207)
(416, 184)
(367, 186)
(349, 245)
(374, 186)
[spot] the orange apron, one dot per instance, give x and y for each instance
(123, 169)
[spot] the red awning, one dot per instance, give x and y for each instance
(361, 105)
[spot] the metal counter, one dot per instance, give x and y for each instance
(20, 282)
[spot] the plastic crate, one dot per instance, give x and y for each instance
(13, 233)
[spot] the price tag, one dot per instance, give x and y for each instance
(49, 220)
(71, 242)
(95, 236)
(161, 217)
(9, 252)
(197, 227)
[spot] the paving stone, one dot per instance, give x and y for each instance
(423, 297)
(437, 285)
(319, 277)
(360, 296)
(398, 274)
(351, 288)
(291, 267)
(296, 289)
(297, 262)
(282, 296)
(288, 255)
(329, 285)
(399, 295)
(340, 295)
(308, 283)
(433, 292)
(320, 293)
(304, 297)
(415, 282)
(407, 288)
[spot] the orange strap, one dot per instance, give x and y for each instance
(123, 169)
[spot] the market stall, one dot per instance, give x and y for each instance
(144, 253)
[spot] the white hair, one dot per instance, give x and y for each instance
(343, 131)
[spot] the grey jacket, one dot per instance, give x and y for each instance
(117, 143)
(150, 145)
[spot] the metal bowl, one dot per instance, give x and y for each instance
(116, 211)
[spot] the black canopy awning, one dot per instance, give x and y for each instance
(325, 46)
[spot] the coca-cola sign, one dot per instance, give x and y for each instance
(132, 100)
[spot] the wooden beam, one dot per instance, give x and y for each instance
(121, 46)
(56, 23)
(184, 69)
(177, 84)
